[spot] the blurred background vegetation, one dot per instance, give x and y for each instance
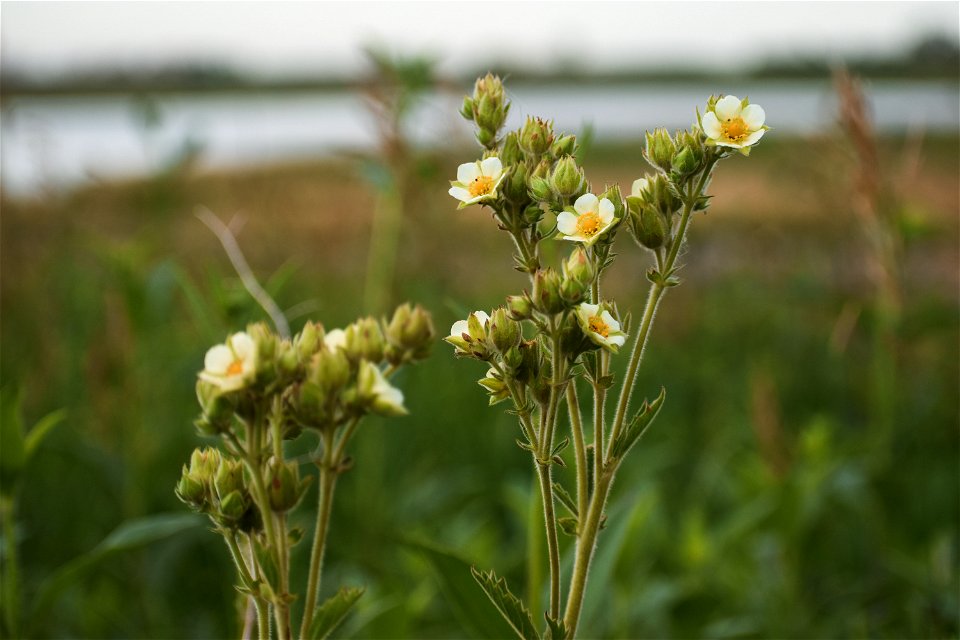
(801, 481)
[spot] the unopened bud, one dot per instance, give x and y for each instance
(520, 307)
(329, 370)
(231, 509)
(504, 332)
(229, 478)
(364, 341)
(466, 110)
(308, 340)
(660, 149)
(572, 291)
(516, 190)
(410, 333)
(192, 490)
(567, 179)
(579, 267)
(496, 388)
(616, 198)
(647, 226)
(536, 136)
(564, 146)
(284, 488)
(546, 291)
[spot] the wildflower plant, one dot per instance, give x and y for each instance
(258, 391)
(555, 339)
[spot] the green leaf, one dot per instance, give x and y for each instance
(331, 613)
(126, 537)
(270, 573)
(41, 429)
(564, 498)
(638, 426)
(507, 604)
(568, 525)
(465, 596)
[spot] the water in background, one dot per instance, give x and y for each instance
(57, 142)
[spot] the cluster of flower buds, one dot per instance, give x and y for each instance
(217, 485)
(488, 108)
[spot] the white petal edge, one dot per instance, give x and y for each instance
(566, 223)
(243, 345)
(754, 137)
(589, 310)
(754, 116)
(711, 126)
(481, 316)
(460, 193)
(459, 328)
(618, 340)
(727, 107)
(606, 210)
(336, 339)
(491, 167)
(466, 173)
(586, 203)
(218, 359)
(639, 186)
(609, 320)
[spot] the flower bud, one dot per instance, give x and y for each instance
(564, 146)
(466, 110)
(579, 267)
(572, 291)
(496, 388)
(410, 333)
(192, 490)
(232, 508)
(373, 389)
(567, 179)
(647, 226)
(546, 291)
(266, 342)
(329, 370)
(364, 341)
(616, 198)
(516, 190)
(218, 407)
(690, 157)
(288, 359)
(204, 463)
(684, 163)
(512, 359)
(660, 149)
(510, 152)
(489, 107)
(470, 336)
(536, 136)
(504, 332)
(284, 488)
(520, 307)
(229, 478)
(309, 340)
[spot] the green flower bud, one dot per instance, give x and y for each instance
(691, 155)
(510, 152)
(536, 136)
(512, 359)
(490, 108)
(486, 138)
(204, 463)
(288, 359)
(572, 291)
(192, 490)
(309, 340)
(660, 149)
(466, 110)
(284, 488)
(232, 508)
(567, 179)
(329, 370)
(647, 226)
(546, 291)
(520, 307)
(664, 197)
(218, 407)
(496, 388)
(531, 363)
(378, 394)
(684, 163)
(504, 331)
(410, 333)
(229, 478)
(516, 190)
(364, 341)
(564, 146)
(540, 190)
(266, 341)
(614, 196)
(579, 267)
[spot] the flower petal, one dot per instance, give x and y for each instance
(218, 360)
(586, 203)
(566, 222)
(491, 167)
(754, 137)
(711, 126)
(754, 116)
(481, 316)
(243, 345)
(618, 340)
(467, 173)
(640, 185)
(588, 310)
(606, 211)
(728, 107)
(610, 321)
(459, 328)
(336, 339)
(459, 193)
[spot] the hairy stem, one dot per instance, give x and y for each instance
(328, 481)
(579, 450)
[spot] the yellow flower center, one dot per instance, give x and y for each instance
(734, 129)
(597, 325)
(480, 186)
(588, 224)
(235, 368)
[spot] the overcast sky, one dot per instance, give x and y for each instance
(279, 37)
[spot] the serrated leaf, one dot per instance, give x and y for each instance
(563, 497)
(331, 613)
(464, 595)
(568, 525)
(556, 629)
(506, 603)
(638, 426)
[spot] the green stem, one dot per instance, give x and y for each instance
(579, 450)
(328, 481)
(553, 545)
(263, 610)
(534, 551)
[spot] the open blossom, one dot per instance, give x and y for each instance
(591, 218)
(601, 327)
(477, 181)
(461, 334)
(734, 123)
(385, 398)
(232, 365)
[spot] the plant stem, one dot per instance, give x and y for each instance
(579, 450)
(553, 547)
(328, 480)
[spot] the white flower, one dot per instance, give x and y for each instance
(461, 328)
(477, 181)
(640, 186)
(592, 219)
(600, 326)
(231, 366)
(734, 123)
(336, 339)
(385, 398)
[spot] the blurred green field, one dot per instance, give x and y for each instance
(767, 501)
